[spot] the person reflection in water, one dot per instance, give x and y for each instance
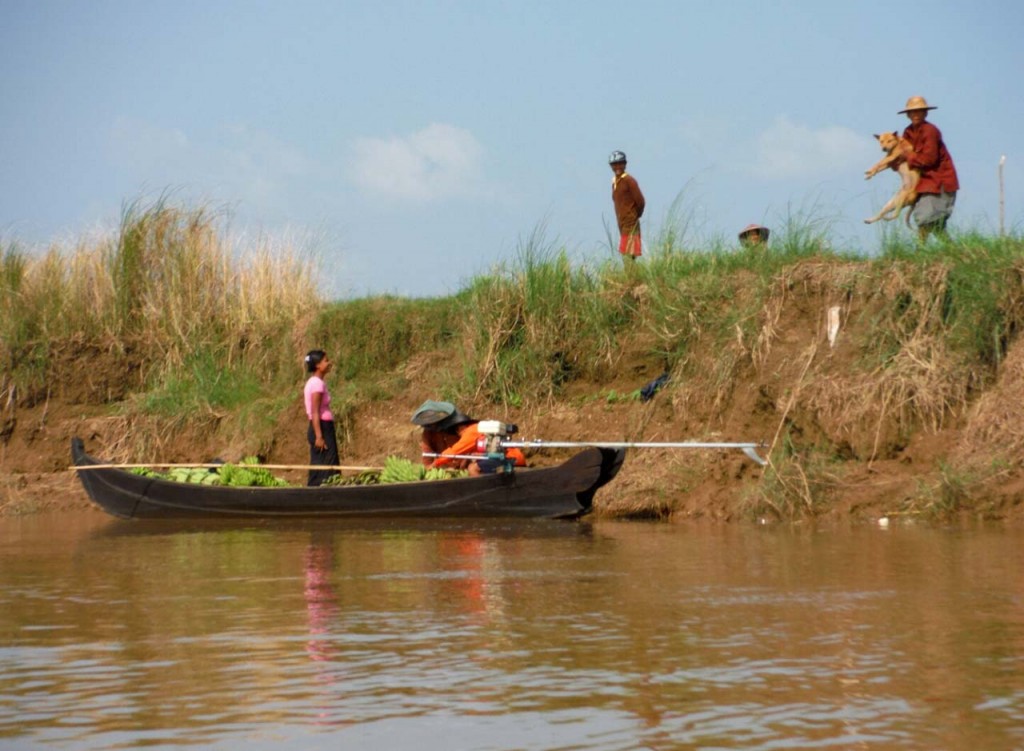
(321, 600)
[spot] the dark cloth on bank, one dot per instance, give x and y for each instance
(647, 392)
(328, 457)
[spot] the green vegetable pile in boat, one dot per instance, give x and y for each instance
(245, 474)
(248, 474)
(397, 469)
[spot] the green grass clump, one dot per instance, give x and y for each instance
(537, 324)
(203, 382)
(542, 321)
(982, 285)
(799, 482)
(371, 336)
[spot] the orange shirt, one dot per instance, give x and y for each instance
(466, 445)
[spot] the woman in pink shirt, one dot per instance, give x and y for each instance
(323, 441)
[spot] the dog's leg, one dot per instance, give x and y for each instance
(905, 196)
(886, 211)
(878, 167)
(908, 193)
(885, 162)
(911, 202)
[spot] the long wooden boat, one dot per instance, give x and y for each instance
(564, 491)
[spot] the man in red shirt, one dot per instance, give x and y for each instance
(629, 206)
(938, 186)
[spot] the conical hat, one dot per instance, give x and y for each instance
(762, 231)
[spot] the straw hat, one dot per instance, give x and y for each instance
(916, 103)
(762, 231)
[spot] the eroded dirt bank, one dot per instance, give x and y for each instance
(917, 432)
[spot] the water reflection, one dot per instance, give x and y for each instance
(321, 600)
(510, 634)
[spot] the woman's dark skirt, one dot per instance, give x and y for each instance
(328, 457)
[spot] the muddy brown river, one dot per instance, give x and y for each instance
(508, 635)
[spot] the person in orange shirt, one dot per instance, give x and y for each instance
(450, 433)
(629, 206)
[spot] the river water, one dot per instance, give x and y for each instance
(508, 635)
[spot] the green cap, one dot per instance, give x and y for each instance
(431, 412)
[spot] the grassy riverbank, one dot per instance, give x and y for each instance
(168, 341)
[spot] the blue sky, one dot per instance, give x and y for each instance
(413, 144)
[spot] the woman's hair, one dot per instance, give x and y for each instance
(313, 358)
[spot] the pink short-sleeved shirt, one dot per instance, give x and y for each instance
(316, 385)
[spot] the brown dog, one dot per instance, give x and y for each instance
(896, 150)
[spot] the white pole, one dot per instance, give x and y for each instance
(1002, 197)
(750, 449)
(541, 444)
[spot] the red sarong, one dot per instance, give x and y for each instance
(629, 245)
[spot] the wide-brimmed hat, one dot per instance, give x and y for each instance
(431, 412)
(454, 420)
(916, 103)
(439, 415)
(762, 231)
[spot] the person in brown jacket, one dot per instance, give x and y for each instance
(938, 186)
(629, 207)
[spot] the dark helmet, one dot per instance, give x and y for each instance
(617, 157)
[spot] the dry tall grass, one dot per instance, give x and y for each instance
(168, 279)
(994, 433)
(915, 378)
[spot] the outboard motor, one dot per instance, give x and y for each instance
(492, 435)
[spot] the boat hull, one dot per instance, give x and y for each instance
(564, 491)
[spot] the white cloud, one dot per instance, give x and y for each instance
(789, 149)
(232, 163)
(257, 151)
(436, 162)
(138, 141)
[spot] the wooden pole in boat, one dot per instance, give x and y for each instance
(342, 468)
